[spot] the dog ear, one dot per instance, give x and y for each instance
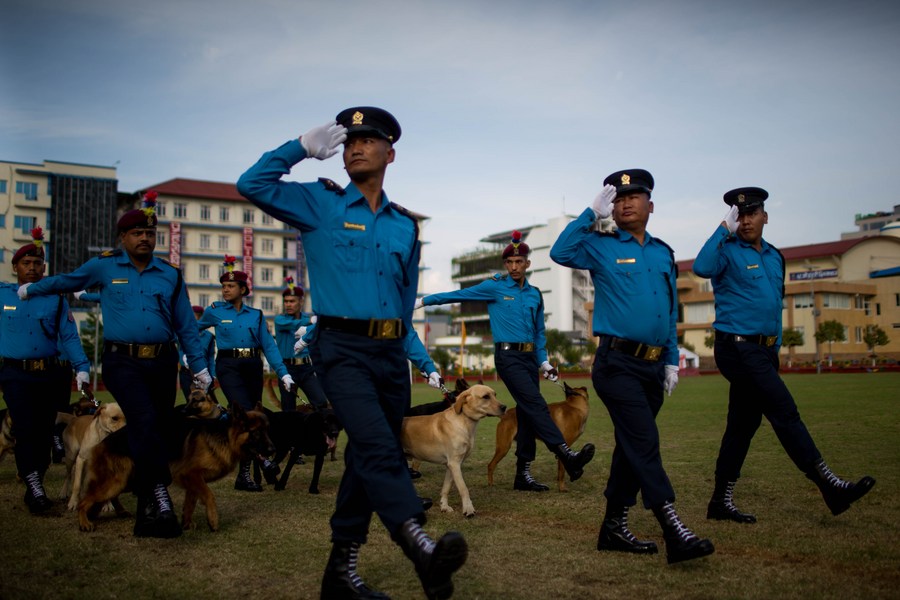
(568, 389)
(460, 400)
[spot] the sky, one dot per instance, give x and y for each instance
(512, 112)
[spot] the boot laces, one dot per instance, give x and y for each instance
(163, 501)
(728, 496)
(526, 473)
(623, 525)
(674, 520)
(33, 480)
(833, 480)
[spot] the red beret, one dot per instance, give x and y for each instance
(291, 289)
(517, 247)
(140, 217)
(231, 275)
(35, 248)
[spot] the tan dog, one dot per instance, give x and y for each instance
(79, 438)
(570, 416)
(448, 437)
(7, 441)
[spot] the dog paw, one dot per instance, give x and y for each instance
(446, 508)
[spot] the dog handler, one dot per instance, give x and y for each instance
(363, 253)
(145, 307)
(748, 282)
(635, 311)
(516, 311)
(241, 336)
(30, 335)
(290, 325)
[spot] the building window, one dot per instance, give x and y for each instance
(223, 242)
(267, 219)
(846, 335)
(160, 209)
(268, 245)
(25, 224)
(2, 221)
(180, 210)
(160, 238)
(835, 301)
(896, 300)
(267, 304)
(859, 335)
(248, 216)
(203, 299)
(266, 275)
(699, 312)
(29, 190)
(204, 272)
(224, 214)
(205, 213)
(877, 309)
(204, 241)
(802, 300)
(2, 186)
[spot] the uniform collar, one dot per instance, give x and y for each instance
(354, 196)
(625, 236)
(124, 259)
(511, 283)
(763, 246)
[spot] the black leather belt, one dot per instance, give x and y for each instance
(378, 329)
(298, 361)
(140, 350)
(632, 348)
(239, 352)
(762, 340)
(515, 346)
(33, 364)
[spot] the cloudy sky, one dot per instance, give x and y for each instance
(512, 112)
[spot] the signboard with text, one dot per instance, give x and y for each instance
(810, 275)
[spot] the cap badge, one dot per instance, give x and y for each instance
(357, 118)
(626, 179)
(741, 198)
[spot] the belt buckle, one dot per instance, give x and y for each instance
(35, 364)
(384, 329)
(653, 353)
(739, 338)
(146, 351)
(528, 347)
(770, 340)
(243, 352)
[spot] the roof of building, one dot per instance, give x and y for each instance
(821, 250)
(196, 188)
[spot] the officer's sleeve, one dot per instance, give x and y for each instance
(411, 280)
(206, 320)
(85, 276)
(483, 291)
(286, 324)
(187, 331)
(270, 349)
(569, 249)
(540, 337)
(290, 202)
(417, 354)
(211, 355)
(672, 341)
(308, 336)
(711, 261)
(71, 342)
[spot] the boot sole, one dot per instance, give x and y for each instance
(587, 455)
(714, 515)
(699, 550)
(862, 487)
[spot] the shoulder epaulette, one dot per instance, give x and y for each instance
(331, 186)
(108, 253)
(403, 211)
(499, 276)
(218, 303)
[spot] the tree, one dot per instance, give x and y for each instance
(572, 354)
(830, 331)
(709, 341)
(790, 338)
(875, 336)
(89, 335)
(442, 359)
(557, 343)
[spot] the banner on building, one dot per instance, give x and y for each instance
(247, 261)
(175, 243)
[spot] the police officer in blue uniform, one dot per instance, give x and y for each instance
(635, 312)
(289, 326)
(747, 275)
(241, 336)
(363, 253)
(516, 311)
(30, 334)
(145, 307)
(208, 343)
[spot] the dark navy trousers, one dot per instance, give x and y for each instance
(241, 380)
(32, 399)
(305, 378)
(632, 391)
(519, 372)
(756, 390)
(367, 382)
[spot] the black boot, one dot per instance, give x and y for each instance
(35, 497)
(524, 482)
(721, 506)
(146, 515)
(838, 493)
(681, 543)
(59, 452)
(615, 535)
(165, 524)
(341, 581)
(426, 503)
(574, 461)
(414, 473)
(244, 481)
(435, 562)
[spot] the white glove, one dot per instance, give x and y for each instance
(313, 319)
(549, 372)
(671, 379)
(288, 382)
(202, 379)
(82, 378)
(23, 291)
(299, 346)
(79, 294)
(731, 219)
(435, 380)
(603, 203)
(301, 331)
(420, 302)
(184, 360)
(322, 142)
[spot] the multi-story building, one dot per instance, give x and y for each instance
(872, 224)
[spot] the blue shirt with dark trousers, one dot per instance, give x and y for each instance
(748, 283)
(285, 327)
(516, 312)
(634, 286)
(244, 328)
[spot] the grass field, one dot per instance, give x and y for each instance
(528, 546)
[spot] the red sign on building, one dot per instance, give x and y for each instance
(248, 255)
(175, 243)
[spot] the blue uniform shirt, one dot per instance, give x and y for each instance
(364, 265)
(285, 327)
(417, 354)
(634, 286)
(516, 313)
(37, 328)
(139, 307)
(748, 284)
(245, 328)
(208, 343)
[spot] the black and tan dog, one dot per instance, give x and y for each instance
(304, 431)
(570, 416)
(205, 450)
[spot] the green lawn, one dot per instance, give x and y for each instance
(540, 546)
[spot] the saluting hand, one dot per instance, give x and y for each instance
(322, 142)
(730, 221)
(419, 304)
(603, 203)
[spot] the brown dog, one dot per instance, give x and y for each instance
(201, 405)
(208, 451)
(7, 441)
(570, 416)
(79, 438)
(448, 437)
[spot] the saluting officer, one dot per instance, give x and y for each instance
(635, 312)
(363, 253)
(208, 343)
(516, 311)
(145, 307)
(241, 335)
(748, 282)
(30, 335)
(290, 325)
